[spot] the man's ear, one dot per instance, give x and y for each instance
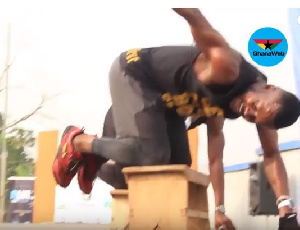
(270, 87)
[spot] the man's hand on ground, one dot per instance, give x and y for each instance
(289, 221)
(221, 220)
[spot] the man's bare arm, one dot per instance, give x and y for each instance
(273, 164)
(216, 144)
(215, 156)
(224, 61)
(205, 36)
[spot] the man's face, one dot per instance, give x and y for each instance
(259, 105)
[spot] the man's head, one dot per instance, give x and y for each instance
(267, 105)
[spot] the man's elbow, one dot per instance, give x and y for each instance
(271, 154)
(215, 160)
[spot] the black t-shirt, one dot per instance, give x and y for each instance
(170, 70)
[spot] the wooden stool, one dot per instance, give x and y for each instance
(120, 209)
(167, 197)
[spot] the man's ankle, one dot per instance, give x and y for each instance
(83, 143)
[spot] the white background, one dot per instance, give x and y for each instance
(67, 47)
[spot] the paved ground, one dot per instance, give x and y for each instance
(54, 226)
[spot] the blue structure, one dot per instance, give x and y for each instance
(294, 13)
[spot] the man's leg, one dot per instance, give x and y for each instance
(109, 129)
(111, 173)
(180, 150)
(140, 127)
(92, 164)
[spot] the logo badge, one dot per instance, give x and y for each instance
(267, 46)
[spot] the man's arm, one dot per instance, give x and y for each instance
(215, 156)
(224, 60)
(274, 167)
(205, 36)
(216, 145)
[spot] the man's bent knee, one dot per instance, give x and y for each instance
(133, 151)
(125, 151)
(155, 153)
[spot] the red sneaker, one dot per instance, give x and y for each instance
(67, 161)
(87, 172)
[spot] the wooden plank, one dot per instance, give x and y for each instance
(120, 209)
(119, 192)
(156, 201)
(197, 224)
(156, 168)
(197, 197)
(191, 175)
(193, 137)
(196, 214)
(196, 177)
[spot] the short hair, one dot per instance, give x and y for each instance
(289, 111)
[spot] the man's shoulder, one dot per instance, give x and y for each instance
(261, 78)
(251, 68)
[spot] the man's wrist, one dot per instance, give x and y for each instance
(191, 15)
(220, 209)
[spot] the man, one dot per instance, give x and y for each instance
(155, 86)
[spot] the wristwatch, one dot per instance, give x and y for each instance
(220, 209)
(286, 203)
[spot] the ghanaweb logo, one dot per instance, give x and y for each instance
(267, 46)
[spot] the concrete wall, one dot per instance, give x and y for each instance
(237, 194)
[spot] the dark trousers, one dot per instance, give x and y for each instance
(136, 131)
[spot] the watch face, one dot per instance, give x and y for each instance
(222, 209)
(292, 203)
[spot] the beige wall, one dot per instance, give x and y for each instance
(44, 186)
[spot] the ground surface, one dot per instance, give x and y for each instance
(54, 226)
